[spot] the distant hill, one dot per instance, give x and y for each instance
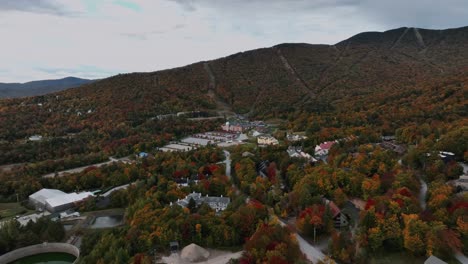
(13, 90)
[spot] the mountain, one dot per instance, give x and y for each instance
(288, 76)
(11, 90)
(416, 73)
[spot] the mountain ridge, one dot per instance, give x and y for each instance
(274, 82)
(39, 87)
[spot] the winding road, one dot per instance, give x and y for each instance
(227, 161)
(423, 194)
(80, 169)
(312, 253)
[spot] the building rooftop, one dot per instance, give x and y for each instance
(434, 260)
(44, 194)
(68, 198)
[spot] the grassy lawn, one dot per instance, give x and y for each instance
(8, 210)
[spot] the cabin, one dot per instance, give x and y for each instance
(339, 218)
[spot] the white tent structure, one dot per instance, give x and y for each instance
(66, 201)
(38, 199)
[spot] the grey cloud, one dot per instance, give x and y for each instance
(261, 5)
(388, 13)
(418, 13)
(149, 34)
(33, 6)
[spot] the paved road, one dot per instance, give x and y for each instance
(312, 253)
(423, 194)
(462, 258)
(227, 161)
(80, 169)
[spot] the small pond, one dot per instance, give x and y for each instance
(107, 221)
(47, 258)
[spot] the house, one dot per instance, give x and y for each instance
(339, 218)
(267, 140)
(296, 152)
(434, 260)
(216, 203)
(323, 148)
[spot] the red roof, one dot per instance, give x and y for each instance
(327, 145)
(335, 210)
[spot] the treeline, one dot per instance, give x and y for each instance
(13, 235)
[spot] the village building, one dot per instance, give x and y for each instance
(267, 140)
(296, 152)
(216, 203)
(236, 127)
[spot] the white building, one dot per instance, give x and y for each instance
(67, 201)
(216, 203)
(55, 200)
(267, 140)
(296, 152)
(38, 199)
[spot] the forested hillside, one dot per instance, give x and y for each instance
(379, 81)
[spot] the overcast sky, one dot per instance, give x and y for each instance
(44, 39)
